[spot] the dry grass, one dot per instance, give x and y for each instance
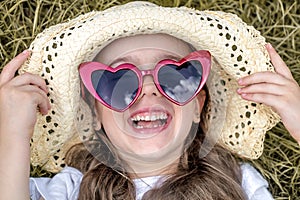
(278, 21)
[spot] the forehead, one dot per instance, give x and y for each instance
(153, 42)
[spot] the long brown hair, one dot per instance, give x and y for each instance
(216, 176)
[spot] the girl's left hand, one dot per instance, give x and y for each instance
(278, 90)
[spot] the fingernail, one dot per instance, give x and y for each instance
(243, 94)
(239, 91)
(240, 81)
(26, 52)
(269, 45)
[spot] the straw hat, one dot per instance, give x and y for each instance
(237, 49)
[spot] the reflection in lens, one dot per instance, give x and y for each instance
(180, 82)
(116, 89)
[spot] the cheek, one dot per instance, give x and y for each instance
(184, 119)
(113, 124)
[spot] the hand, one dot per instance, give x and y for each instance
(278, 90)
(20, 97)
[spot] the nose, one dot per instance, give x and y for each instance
(149, 88)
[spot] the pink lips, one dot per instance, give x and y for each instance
(148, 121)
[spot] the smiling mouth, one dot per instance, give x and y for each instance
(151, 120)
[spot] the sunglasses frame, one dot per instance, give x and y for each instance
(87, 68)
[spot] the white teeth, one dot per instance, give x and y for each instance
(140, 127)
(156, 120)
(154, 117)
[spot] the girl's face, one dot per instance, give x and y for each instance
(153, 129)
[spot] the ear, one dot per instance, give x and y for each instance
(97, 117)
(199, 103)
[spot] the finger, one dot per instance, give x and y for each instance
(264, 88)
(262, 77)
(30, 79)
(43, 105)
(40, 98)
(267, 99)
(279, 65)
(10, 69)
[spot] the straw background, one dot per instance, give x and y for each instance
(278, 21)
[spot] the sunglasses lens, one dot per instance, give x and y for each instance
(180, 83)
(117, 89)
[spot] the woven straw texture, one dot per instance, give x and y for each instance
(34, 16)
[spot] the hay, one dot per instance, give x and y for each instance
(278, 21)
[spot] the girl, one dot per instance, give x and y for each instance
(144, 143)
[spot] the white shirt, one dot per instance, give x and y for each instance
(65, 185)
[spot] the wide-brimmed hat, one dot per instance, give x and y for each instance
(237, 50)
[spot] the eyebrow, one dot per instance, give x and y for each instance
(126, 59)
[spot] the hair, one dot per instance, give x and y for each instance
(216, 176)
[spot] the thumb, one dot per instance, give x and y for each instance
(279, 65)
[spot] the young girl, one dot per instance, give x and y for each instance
(153, 117)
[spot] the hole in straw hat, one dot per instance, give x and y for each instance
(243, 69)
(242, 125)
(253, 104)
(228, 36)
(222, 82)
(48, 119)
(248, 114)
(239, 58)
(54, 45)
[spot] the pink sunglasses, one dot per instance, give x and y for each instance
(118, 88)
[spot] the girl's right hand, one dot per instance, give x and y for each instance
(20, 97)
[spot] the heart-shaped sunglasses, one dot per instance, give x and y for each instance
(118, 88)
